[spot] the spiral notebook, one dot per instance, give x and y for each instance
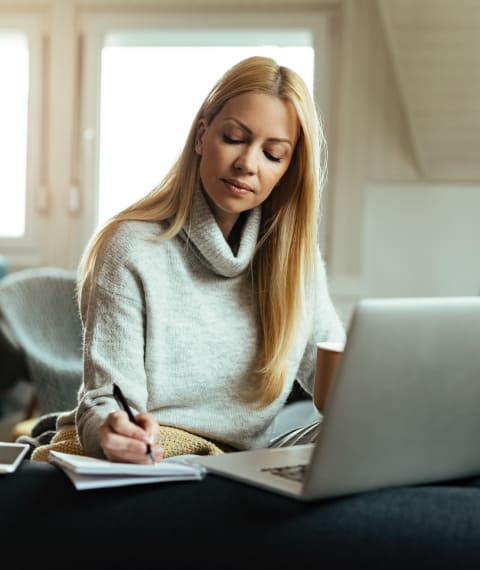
(90, 473)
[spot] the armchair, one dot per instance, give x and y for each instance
(38, 309)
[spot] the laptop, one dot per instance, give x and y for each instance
(403, 408)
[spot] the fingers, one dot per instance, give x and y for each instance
(123, 441)
(119, 423)
(150, 426)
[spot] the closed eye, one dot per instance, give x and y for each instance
(271, 157)
(229, 140)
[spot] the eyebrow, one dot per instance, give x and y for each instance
(249, 131)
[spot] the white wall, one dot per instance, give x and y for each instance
(377, 188)
(421, 240)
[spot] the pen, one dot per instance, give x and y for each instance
(122, 402)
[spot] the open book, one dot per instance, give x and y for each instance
(91, 473)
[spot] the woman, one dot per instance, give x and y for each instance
(204, 300)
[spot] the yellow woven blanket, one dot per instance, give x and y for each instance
(173, 440)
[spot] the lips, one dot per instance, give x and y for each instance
(238, 184)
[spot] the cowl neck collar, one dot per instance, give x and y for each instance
(204, 237)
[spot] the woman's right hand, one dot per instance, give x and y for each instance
(126, 442)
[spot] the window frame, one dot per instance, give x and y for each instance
(95, 26)
(26, 250)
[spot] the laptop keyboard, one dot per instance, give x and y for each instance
(293, 472)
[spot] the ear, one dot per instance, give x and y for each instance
(201, 130)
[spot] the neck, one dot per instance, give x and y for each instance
(233, 238)
(226, 222)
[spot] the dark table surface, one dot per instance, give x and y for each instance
(219, 523)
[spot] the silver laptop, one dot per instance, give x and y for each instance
(404, 407)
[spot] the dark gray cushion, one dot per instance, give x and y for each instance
(217, 523)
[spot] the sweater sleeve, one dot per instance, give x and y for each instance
(326, 327)
(114, 342)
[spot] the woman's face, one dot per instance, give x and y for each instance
(245, 151)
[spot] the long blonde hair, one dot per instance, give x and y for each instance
(285, 258)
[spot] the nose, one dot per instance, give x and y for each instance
(246, 161)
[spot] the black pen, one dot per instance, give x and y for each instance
(118, 395)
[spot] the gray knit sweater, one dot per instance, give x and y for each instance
(173, 323)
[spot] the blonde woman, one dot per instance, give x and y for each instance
(204, 300)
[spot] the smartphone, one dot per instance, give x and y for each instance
(11, 455)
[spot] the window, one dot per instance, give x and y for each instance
(21, 145)
(150, 94)
(98, 102)
(144, 75)
(14, 65)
